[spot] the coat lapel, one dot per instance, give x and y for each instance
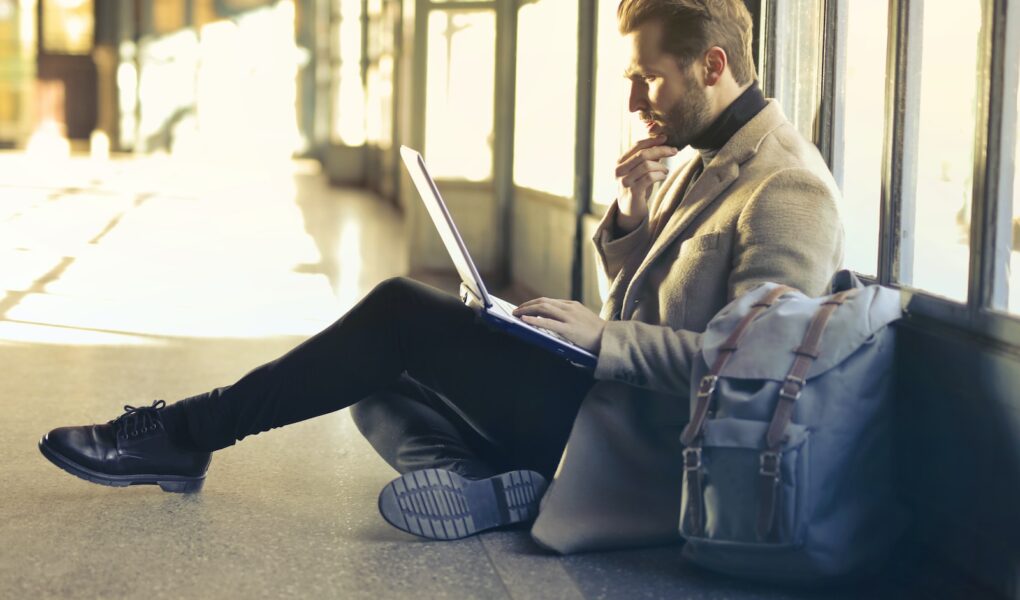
(682, 212)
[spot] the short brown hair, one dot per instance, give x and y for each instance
(691, 27)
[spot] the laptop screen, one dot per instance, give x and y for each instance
(444, 223)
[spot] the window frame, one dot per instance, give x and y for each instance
(984, 312)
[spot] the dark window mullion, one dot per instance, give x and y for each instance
(992, 204)
(833, 97)
(899, 166)
(586, 28)
(767, 47)
(505, 113)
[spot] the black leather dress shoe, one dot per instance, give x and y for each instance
(133, 449)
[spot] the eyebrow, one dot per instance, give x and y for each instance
(632, 71)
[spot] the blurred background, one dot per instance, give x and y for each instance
(517, 105)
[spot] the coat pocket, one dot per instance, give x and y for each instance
(731, 487)
(706, 241)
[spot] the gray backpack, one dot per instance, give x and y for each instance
(788, 470)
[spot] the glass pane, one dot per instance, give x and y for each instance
(460, 94)
(349, 109)
(204, 12)
(613, 123)
(246, 73)
(379, 81)
(863, 132)
(799, 63)
(167, 15)
(945, 152)
(17, 69)
(67, 26)
(1014, 260)
(544, 128)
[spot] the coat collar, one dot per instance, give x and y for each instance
(715, 179)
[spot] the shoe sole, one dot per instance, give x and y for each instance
(168, 483)
(441, 505)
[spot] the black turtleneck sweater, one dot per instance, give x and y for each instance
(735, 116)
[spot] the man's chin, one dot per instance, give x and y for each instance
(676, 141)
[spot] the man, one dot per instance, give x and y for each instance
(757, 204)
(477, 421)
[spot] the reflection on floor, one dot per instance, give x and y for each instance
(140, 279)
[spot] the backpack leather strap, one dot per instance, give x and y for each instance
(706, 387)
(770, 459)
(691, 436)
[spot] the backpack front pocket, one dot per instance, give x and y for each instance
(738, 481)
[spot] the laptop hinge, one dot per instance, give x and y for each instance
(468, 296)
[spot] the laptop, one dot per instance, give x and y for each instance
(495, 311)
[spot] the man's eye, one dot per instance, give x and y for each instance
(650, 78)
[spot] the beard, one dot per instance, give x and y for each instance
(686, 119)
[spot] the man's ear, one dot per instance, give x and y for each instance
(715, 64)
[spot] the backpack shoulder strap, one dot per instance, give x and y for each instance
(691, 436)
(789, 393)
(706, 387)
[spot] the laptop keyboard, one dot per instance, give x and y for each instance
(508, 308)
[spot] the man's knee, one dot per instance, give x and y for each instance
(397, 287)
(388, 300)
(406, 298)
(365, 415)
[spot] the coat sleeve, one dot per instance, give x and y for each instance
(788, 232)
(613, 252)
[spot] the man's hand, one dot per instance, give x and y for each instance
(569, 318)
(636, 172)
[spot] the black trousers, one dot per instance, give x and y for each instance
(430, 386)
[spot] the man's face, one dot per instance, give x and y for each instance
(670, 100)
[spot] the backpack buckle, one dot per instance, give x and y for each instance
(768, 463)
(797, 383)
(692, 459)
(707, 386)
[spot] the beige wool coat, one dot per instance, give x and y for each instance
(764, 209)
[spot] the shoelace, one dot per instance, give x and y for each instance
(136, 420)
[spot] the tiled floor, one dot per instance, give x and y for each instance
(141, 279)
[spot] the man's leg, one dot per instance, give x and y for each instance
(502, 385)
(412, 428)
(455, 481)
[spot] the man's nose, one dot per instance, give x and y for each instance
(638, 97)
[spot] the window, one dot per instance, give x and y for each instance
(349, 91)
(798, 63)
(67, 26)
(460, 94)
(615, 128)
(379, 80)
(945, 148)
(949, 112)
(1014, 262)
(863, 132)
(167, 16)
(546, 98)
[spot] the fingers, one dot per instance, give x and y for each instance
(649, 157)
(644, 179)
(545, 307)
(640, 170)
(641, 145)
(541, 301)
(550, 324)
